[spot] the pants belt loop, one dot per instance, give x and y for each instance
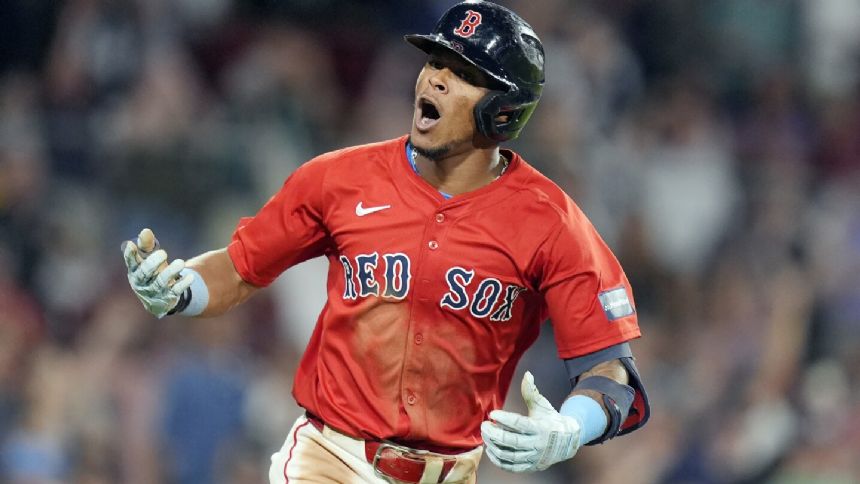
(432, 470)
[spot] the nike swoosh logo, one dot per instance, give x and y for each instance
(361, 211)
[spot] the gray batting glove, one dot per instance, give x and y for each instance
(157, 284)
(520, 443)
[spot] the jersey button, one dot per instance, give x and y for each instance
(433, 245)
(419, 338)
(411, 399)
(440, 217)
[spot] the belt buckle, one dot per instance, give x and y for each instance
(402, 452)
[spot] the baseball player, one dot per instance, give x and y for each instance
(445, 255)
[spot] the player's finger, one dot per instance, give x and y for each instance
(146, 241)
(491, 432)
(147, 269)
(182, 284)
(169, 274)
(528, 457)
(535, 402)
(505, 438)
(130, 255)
(508, 465)
(494, 458)
(514, 421)
(520, 468)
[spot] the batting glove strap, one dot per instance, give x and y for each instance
(184, 301)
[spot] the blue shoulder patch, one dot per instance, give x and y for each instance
(615, 303)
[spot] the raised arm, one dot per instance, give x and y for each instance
(225, 287)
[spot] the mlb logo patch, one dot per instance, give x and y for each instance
(615, 303)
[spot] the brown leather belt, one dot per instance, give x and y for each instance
(396, 461)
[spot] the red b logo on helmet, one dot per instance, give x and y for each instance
(469, 24)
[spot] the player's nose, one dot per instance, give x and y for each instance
(438, 80)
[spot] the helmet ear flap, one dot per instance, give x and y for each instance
(495, 103)
(486, 110)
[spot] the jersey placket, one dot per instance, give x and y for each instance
(413, 390)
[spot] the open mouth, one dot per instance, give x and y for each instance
(428, 114)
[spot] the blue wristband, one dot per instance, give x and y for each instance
(589, 414)
(199, 294)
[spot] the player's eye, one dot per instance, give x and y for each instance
(466, 76)
(434, 63)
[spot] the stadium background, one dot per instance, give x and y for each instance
(715, 145)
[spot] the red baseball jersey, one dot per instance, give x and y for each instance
(431, 301)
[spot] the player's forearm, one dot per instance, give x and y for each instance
(224, 284)
(613, 370)
(588, 406)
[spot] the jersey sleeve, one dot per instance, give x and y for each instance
(287, 230)
(588, 296)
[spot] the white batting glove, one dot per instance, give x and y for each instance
(154, 282)
(520, 443)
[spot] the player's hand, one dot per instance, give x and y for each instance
(155, 282)
(520, 443)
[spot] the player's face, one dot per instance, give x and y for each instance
(445, 96)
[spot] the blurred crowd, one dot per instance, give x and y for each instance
(715, 145)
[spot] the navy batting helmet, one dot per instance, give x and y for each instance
(502, 45)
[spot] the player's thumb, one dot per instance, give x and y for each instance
(535, 402)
